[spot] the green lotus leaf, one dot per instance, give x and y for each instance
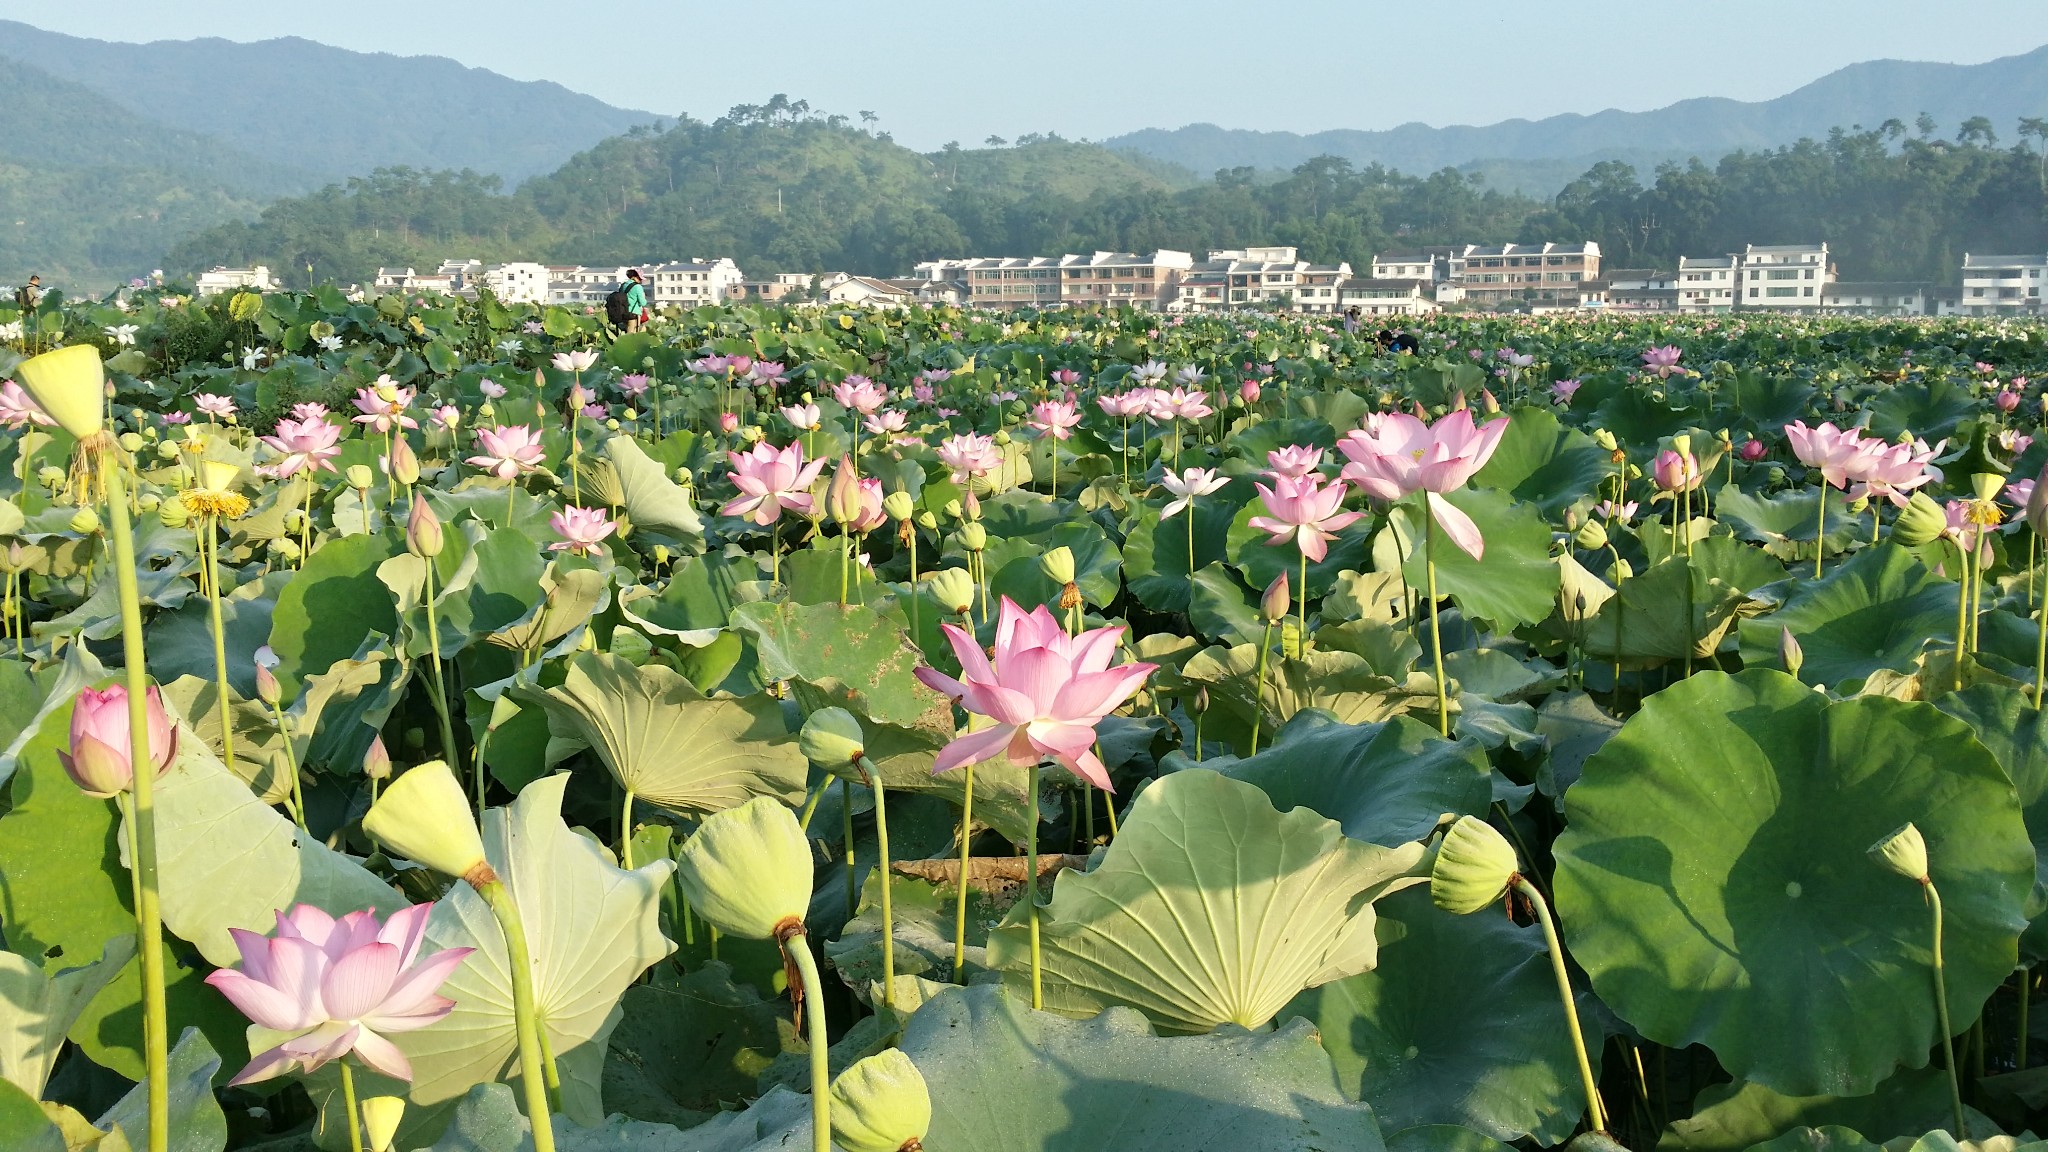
(332, 604)
(1220, 606)
(1458, 1024)
(1210, 907)
(1647, 620)
(181, 642)
(683, 1047)
(26, 1126)
(197, 1123)
(2006, 722)
(1442, 1138)
(1929, 410)
(694, 606)
(1767, 399)
(1015, 570)
(1386, 784)
(42, 1006)
(1739, 1115)
(1006, 1079)
(861, 661)
(1785, 524)
(1826, 1138)
(1156, 552)
(1515, 584)
(654, 502)
(1713, 880)
(667, 743)
(1875, 612)
(1543, 462)
(1344, 684)
(591, 928)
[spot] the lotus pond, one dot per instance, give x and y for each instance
(829, 728)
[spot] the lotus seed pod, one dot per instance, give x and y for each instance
(387, 391)
(684, 476)
(85, 521)
(1682, 443)
(748, 870)
(503, 709)
(613, 426)
(630, 414)
(131, 442)
(955, 510)
(286, 549)
(1474, 866)
(832, 740)
(927, 521)
(1058, 565)
(953, 588)
(1904, 852)
(973, 536)
(1001, 439)
(70, 386)
(898, 505)
(486, 410)
(1591, 536)
(1605, 439)
(1273, 606)
(1921, 521)
(50, 476)
(173, 514)
(881, 1104)
(1986, 485)
(359, 476)
(148, 502)
(1790, 654)
(424, 816)
(381, 1117)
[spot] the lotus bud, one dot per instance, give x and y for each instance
(1904, 852)
(1202, 698)
(2037, 504)
(1474, 866)
(1058, 566)
(173, 514)
(1605, 439)
(898, 505)
(381, 1117)
(970, 507)
(268, 689)
(1591, 536)
(1790, 654)
(503, 709)
(359, 476)
(973, 536)
(747, 870)
(99, 756)
(85, 521)
(1986, 485)
(1487, 403)
(955, 510)
(423, 534)
(404, 463)
(881, 1104)
(1921, 521)
(376, 760)
(424, 816)
(953, 589)
(131, 443)
(842, 499)
(832, 740)
(70, 386)
(927, 521)
(1273, 606)
(285, 549)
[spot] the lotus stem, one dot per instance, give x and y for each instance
(1301, 641)
(1436, 638)
(142, 830)
(291, 755)
(482, 743)
(1031, 887)
(1596, 1115)
(209, 556)
(1948, 1043)
(1962, 612)
(915, 625)
(960, 897)
(2041, 656)
(525, 1012)
(1258, 692)
(775, 554)
(846, 831)
(798, 949)
(845, 556)
(1820, 531)
(811, 806)
(511, 500)
(348, 1101)
(882, 863)
(1976, 599)
(626, 831)
(439, 686)
(1191, 551)
(2026, 998)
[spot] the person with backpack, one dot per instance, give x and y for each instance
(626, 307)
(29, 295)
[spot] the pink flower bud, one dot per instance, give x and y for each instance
(98, 761)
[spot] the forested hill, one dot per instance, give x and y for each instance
(780, 188)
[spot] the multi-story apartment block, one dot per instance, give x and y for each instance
(1707, 283)
(1269, 277)
(217, 279)
(517, 282)
(2002, 285)
(1548, 273)
(1640, 290)
(1876, 298)
(692, 283)
(1385, 297)
(1012, 282)
(1432, 264)
(1784, 277)
(780, 286)
(1126, 278)
(1318, 285)
(390, 281)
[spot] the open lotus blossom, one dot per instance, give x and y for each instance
(1305, 511)
(1968, 527)
(923, 393)
(171, 418)
(859, 394)
(340, 985)
(802, 417)
(1065, 377)
(868, 490)
(1893, 471)
(594, 411)
(329, 343)
(1136, 402)
(581, 529)
(1294, 460)
(309, 410)
(581, 360)
(1054, 418)
(2014, 442)
(509, 451)
(18, 409)
(1662, 361)
(1151, 371)
(2007, 400)
(1609, 510)
(634, 383)
(1675, 471)
(1045, 690)
(446, 417)
(123, 335)
(969, 454)
(98, 758)
(533, 328)
(1187, 485)
(1833, 450)
(1179, 404)
(381, 414)
(491, 389)
(709, 365)
(302, 444)
(2018, 492)
(1752, 450)
(1397, 455)
(217, 406)
(1561, 393)
(887, 422)
(770, 480)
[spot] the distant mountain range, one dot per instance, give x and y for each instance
(1529, 155)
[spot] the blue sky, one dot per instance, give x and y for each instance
(1089, 69)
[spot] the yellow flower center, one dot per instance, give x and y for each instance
(209, 502)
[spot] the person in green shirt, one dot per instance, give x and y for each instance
(636, 300)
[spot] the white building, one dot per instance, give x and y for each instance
(1432, 264)
(1876, 298)
(1707, 283)
(519, 282)
(1385, 297)
(1783, 277)
(2002, 285)
(846, 288)
(692, 283)
(217, 279)
(576, 284)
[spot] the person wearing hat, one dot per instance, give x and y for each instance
(29, 295)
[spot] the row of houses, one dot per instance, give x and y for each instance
(689, 283)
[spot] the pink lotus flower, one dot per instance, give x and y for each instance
(98, 759)
(2007, 400)
(887, 422)
(594, 411)
(2019, 492)
(581, 529)
(1983, 367)
(969, 454)
(1893, 471)
(491, 389)
(728, 422)
(342, 985)
(1662, 361)
(709, 365)
(1054, 418)
(1045, 690)
(533, 327)
(447, 417)
(581, 360)
(1179, 404)
(739, 365)
(1965, 531)
(1248, 391)
(1294, 461)
(18, 409)
(1674, 471)
(923, 393)
(169, 419)
(802, 417)
(1305, 511)
(1752, 450)
(1187, 485)
(1065, 377)
(309, 410)
(303, 444)
(1561, 393)
(1832, 450)
(1397, 455)
(935, 375)
(634, 383)
(381, 414)
(1136, 402)
(768, 373)
(870, 516)
(217, 406)
(1609, 510)
(859, 394)
(2014, 442)
(771, 480)
(509, 451)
